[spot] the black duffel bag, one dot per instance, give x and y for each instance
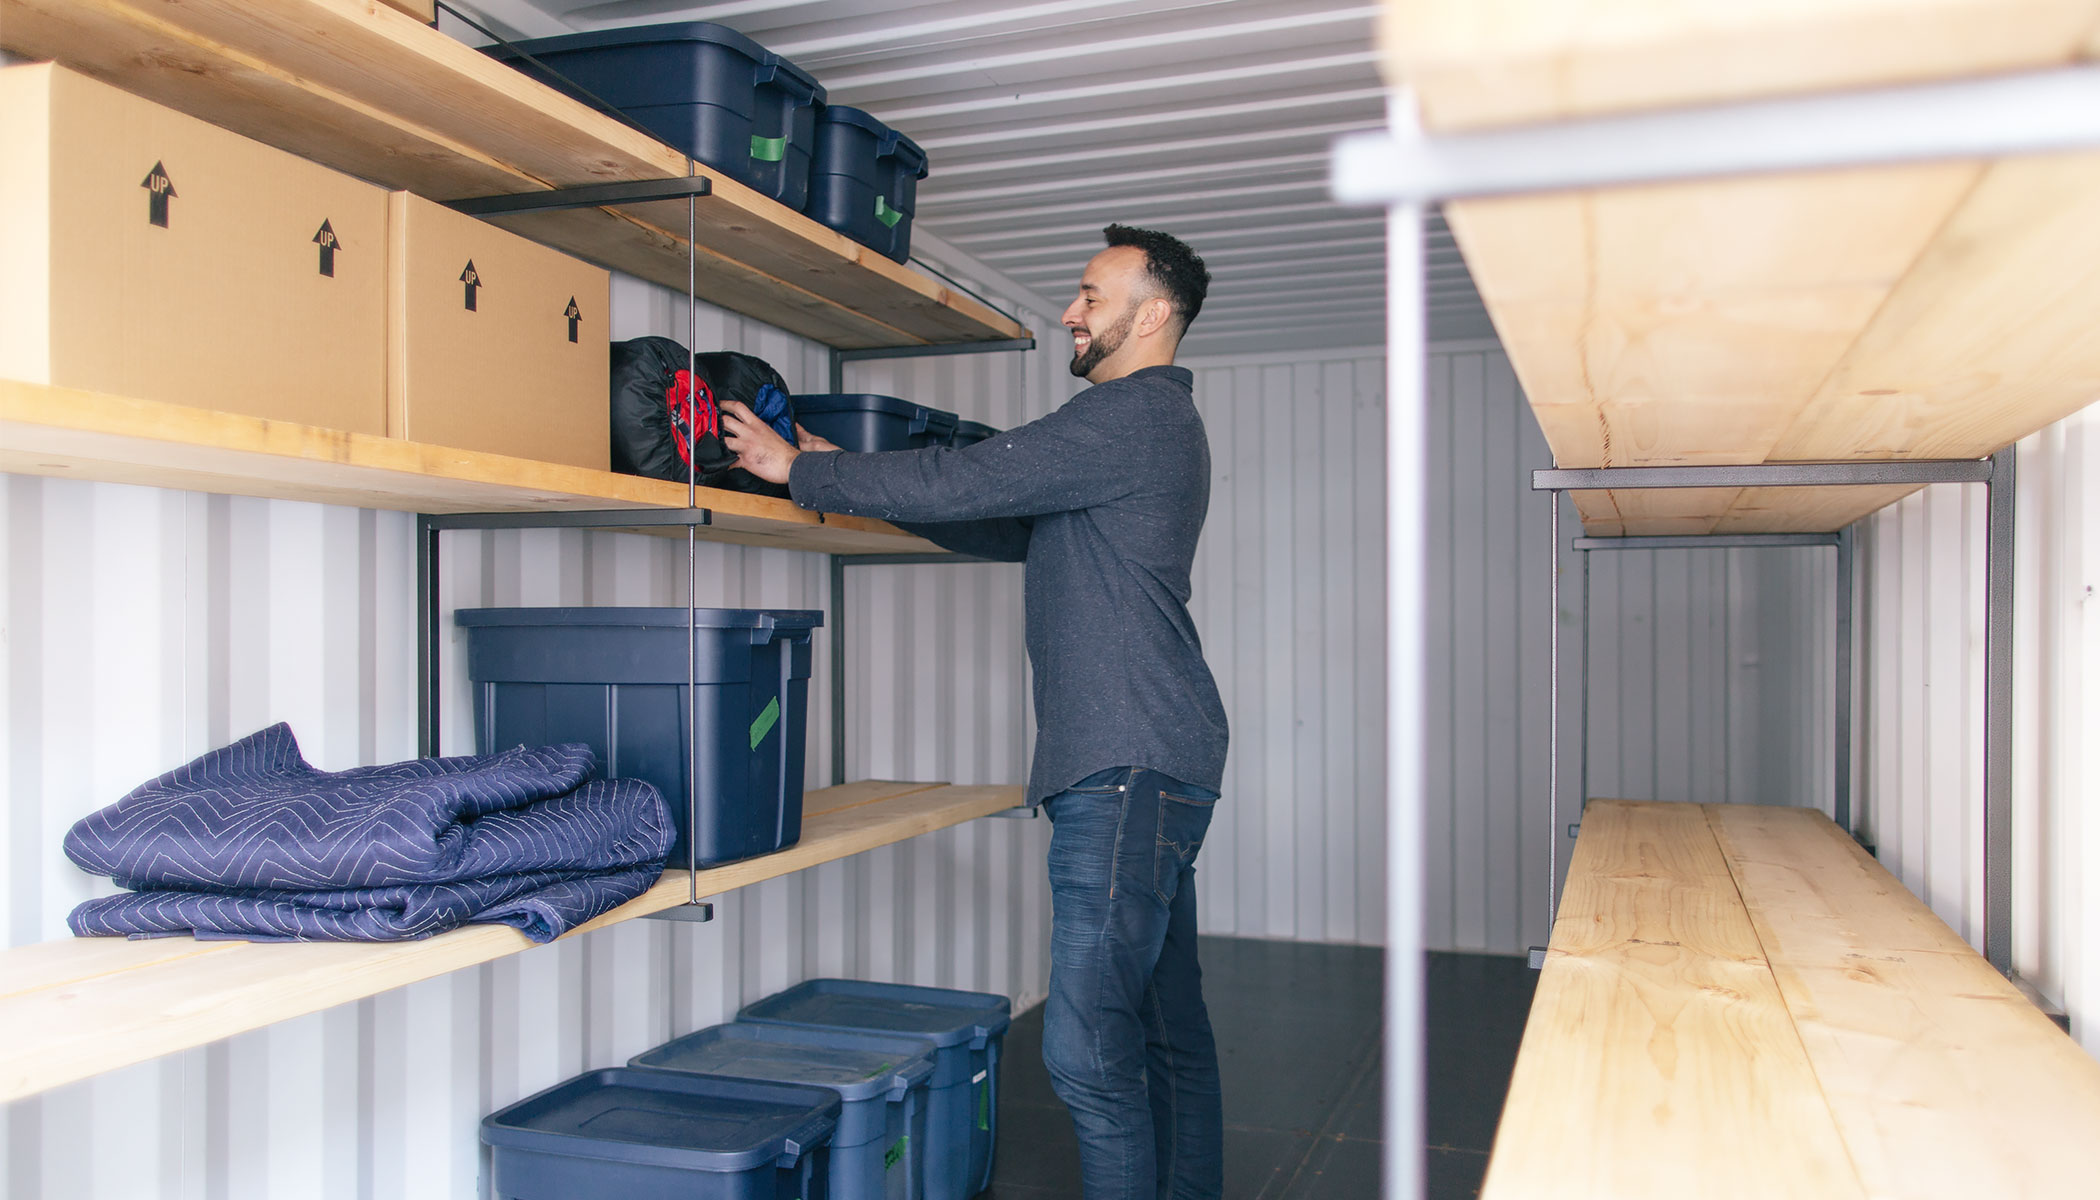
(665, 419)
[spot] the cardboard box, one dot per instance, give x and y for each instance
(148, 254)
(496, 343)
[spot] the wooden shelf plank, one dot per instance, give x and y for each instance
(1697, 946)
(1944, 1079)
(1930, 311)
(1659, 1059)
(73, 434)
(372, 92)
(1481, 63)
(1692, 323)
(98, 1003)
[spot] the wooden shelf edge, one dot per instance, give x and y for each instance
(100, 1004)
(69, 433)
(371, 92)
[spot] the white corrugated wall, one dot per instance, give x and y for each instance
(141, 627)
(1710, 669)
(1921, 709)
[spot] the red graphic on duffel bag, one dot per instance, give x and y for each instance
(679, 399)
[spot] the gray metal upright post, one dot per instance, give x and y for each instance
(1582, 709)
(2002, 493)
(838, 669)
(1405, 1165)
(1553, 718)
(429, 692)
(1841, 804)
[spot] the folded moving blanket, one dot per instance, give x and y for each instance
(249, 840)
(542, 904)
(255, 815)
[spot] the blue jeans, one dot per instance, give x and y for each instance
(1125, 1033)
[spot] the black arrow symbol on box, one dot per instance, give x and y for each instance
(325, 238)
(574, 314)
(472, 278)
(162, 189)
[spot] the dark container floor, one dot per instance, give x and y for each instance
(1300, 1036)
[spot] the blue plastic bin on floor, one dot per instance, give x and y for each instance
(656, 1135)
(864, 180)
(969, 433)
(703, 88)
(863, 422)
(614, 678)
(966, 1029)
(878, 1151)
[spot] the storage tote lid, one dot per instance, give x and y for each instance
(857, 1066)
(947, 1017)
(758, 619)
(863, 402)
(784, 72)
(659, 1118)
(890, 142)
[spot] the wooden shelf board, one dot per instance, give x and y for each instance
(1921, 312)
(68, 433)
(1940, 310)
(374, 93)
(102, 1003)
(1655, 1060)
(1944, 1079)
(1659, 1060)
(1482, 63)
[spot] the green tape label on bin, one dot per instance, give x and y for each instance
(885, 214)
(765, 722)
(766, 149)
(896, 1152)
(984, 1105)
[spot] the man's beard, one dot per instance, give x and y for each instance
(1101, 345)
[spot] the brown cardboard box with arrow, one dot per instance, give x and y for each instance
(496, 343)
(148, 254)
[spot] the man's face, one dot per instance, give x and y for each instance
(1101, 318)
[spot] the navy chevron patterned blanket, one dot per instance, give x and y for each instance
(541, 904)
(251, 841)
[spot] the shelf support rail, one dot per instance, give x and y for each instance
(429, 612)
(839, 358)
(839, 562)
(1998, 475)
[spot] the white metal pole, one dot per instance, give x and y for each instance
(1407, 552)
(2032, 112)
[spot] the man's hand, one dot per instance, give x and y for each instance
(805, 440)
(758, 449)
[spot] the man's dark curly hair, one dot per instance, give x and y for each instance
(1173, 268)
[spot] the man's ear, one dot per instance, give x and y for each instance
(1156, 314)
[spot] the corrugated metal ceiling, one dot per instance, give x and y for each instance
(1211, 119)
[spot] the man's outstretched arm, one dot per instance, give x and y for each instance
(1065, 461)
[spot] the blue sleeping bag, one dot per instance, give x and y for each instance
(251, 841)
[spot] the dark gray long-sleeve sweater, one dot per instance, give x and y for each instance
(1103, 499)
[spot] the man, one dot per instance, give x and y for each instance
(1103, 499)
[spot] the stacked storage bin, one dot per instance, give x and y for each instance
(614, 678)
(658, 1135)
(864, 180)
(744, 110)
(878, 1151)
(863, 422)
(966, 1031)
(703, 88)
